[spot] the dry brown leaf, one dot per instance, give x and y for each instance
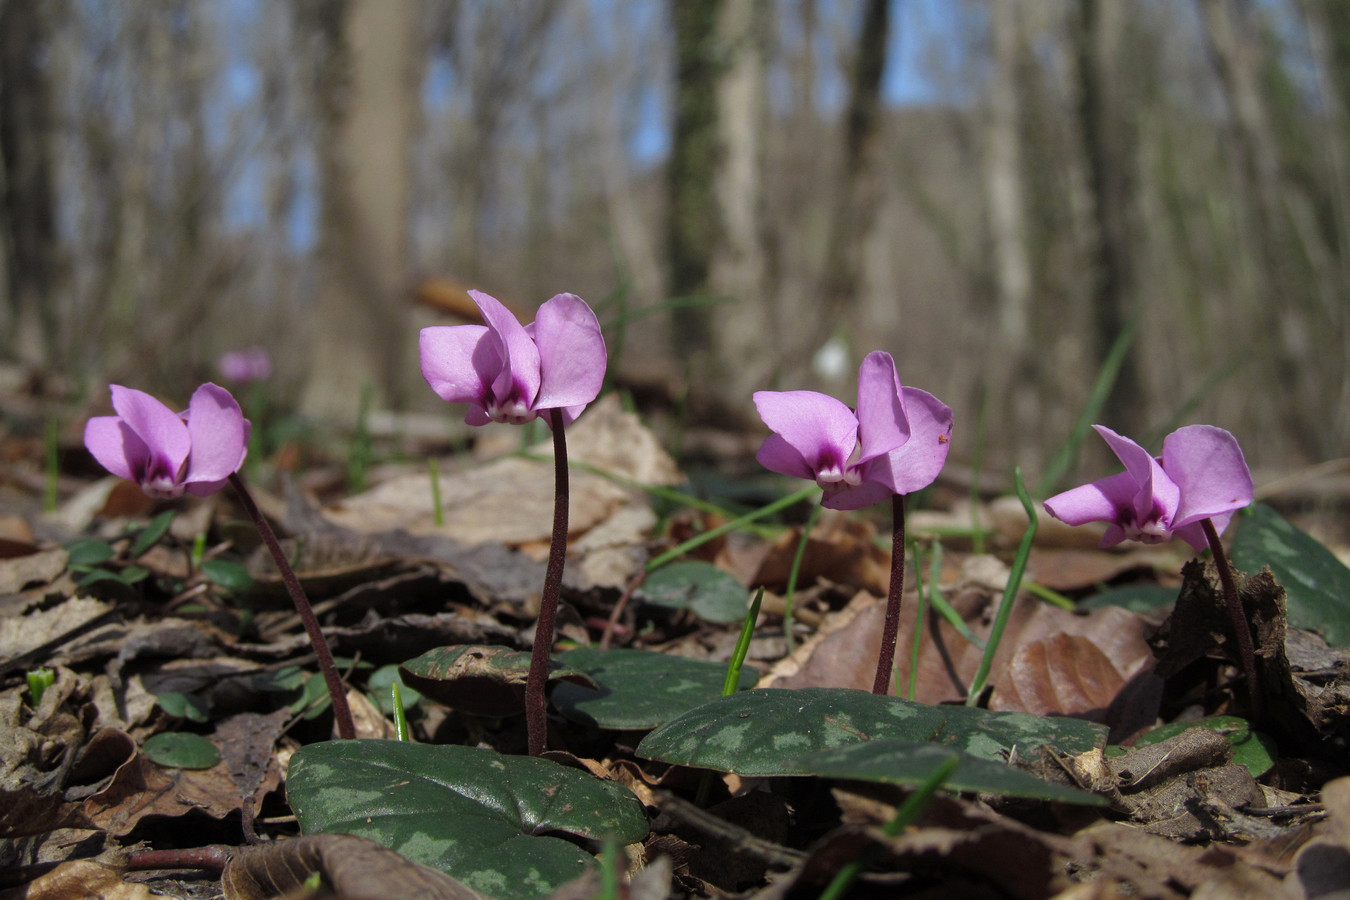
(357, 869)
(140, 788)
(21, 571)
(36, 756)
(842, 549)
(80, 879)
(510, 500)
(1051, 641)
(22, 633)
(1322, 866)
(1061, 675)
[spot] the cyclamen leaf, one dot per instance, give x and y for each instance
(1316, 583)
(637, 689)
(911, 764)
(477, 815)
(712, 594)
(767, 732)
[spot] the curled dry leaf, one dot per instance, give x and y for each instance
(140, 788)
(1050, 661)
(355, 867)
(82, 878)
(37, 754)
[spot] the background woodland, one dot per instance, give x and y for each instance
(728, 182)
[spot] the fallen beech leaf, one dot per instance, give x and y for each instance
(356, 868)
(1063, 675)
(510, 500)
(843, 653)
(82, 879)
(246, 742)
(841, 549)
(139, 788)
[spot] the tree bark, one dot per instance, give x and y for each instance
(28, 205)
(714, 186)
(859, 191)
(368, 112)
(1109, 144)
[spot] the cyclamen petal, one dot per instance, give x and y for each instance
(917, 462)
(219, 434)
(571, 353)
(1208, 466)
(897, 441)
(507, 372)
(820, 428)
(452, 356)
(1201, 475)
(883, 424)
(164, 452)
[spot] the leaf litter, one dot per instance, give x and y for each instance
(84, 809)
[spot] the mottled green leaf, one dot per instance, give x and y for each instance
(479, 679)
(709, 592)
(911, 764)
(765, 732)
(1315, 582)
(637, 689)
(481, 817)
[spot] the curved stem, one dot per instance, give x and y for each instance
(1237, 614)
(536, 716)
(886, 658)
(342, 713)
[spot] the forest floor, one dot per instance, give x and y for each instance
(171, 635)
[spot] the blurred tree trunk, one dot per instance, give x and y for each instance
(1013, 389)
(1283, 287)
(28, 208)
(367, 110)
(714, 187)
(1330, 25)
(858, 192)
(1109, 146)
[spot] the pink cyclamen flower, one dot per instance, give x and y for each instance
(895, 443)
(248, 364)
(1200, 475)
(169, 453)
(508, 372)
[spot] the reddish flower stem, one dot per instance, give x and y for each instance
(1238, 615)
(536, 716)
(342, 713)
(886, 658)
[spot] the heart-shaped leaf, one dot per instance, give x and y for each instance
(181, 750)
(482, 817)
(1315, 582)
(710, 593)
(766, 732)
(477, 679)
(229, 575)
(911, 764)
(638, 689)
